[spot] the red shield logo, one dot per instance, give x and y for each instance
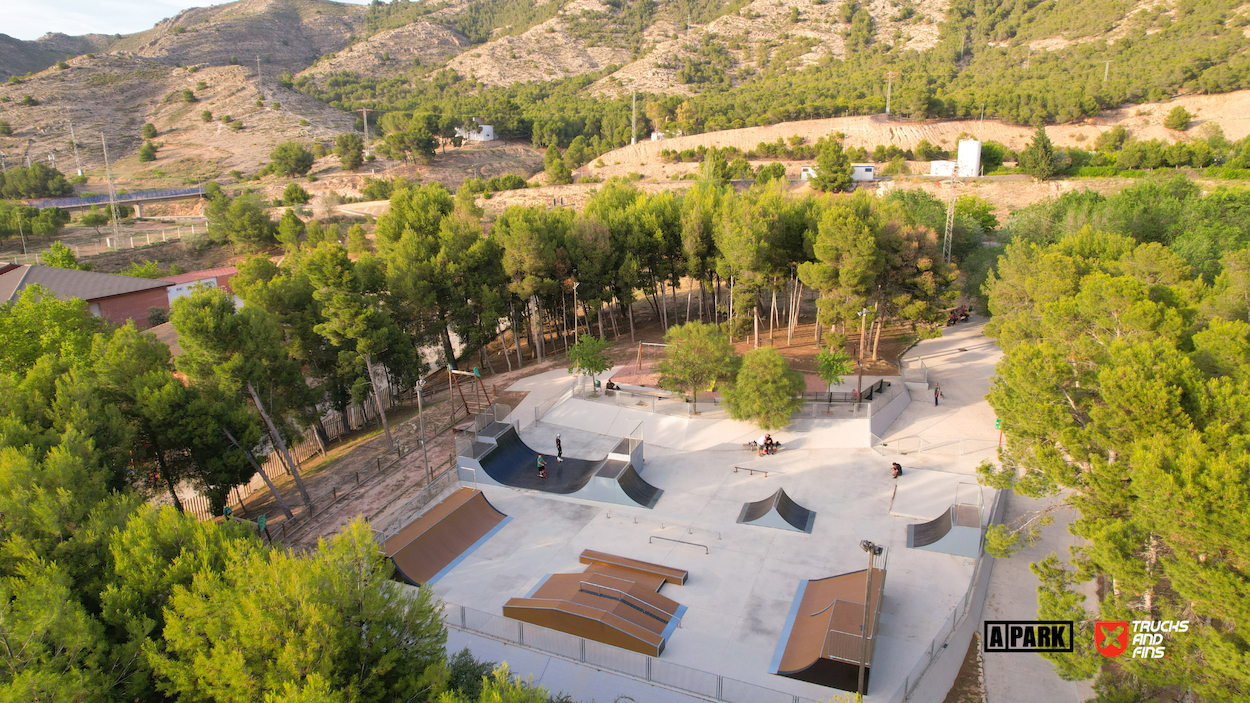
(1111, 637)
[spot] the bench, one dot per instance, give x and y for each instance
(643, 390)
(669, 574)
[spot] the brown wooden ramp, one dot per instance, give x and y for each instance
(441, 537)
(822, 641)
(615, 601)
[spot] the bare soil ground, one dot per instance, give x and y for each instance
(969, 684)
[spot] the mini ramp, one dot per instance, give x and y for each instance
(779, 511)
(956, 531)
(616, 601)
(499, 456)
(823, 642)
(441, 537)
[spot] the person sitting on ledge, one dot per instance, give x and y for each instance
(896, 470)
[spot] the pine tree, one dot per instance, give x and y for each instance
(1038, 158)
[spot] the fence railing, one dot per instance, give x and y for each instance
(126, 241)
(444, 478)
(580, 650)
(545, 407)
(972, 598)
(140, 196)
(716, 409)
(950, 446)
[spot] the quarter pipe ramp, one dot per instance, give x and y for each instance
(956, 531)
(441, 537)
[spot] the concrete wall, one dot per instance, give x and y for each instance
(133, 306)
(883, 418)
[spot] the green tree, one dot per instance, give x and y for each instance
(94, 218)
(557, 171)
(357, 242)
(333, 616)
(350, 148)
(698, 357)
(149, 130)
(295, 194)
(775, 171)
(241, 221)
(6, 130)
(291, 159)
(206, 116)
(244, 351)
(833, 167)
(62, 257)
(37, 323)
(1178, 119)
(589, 356)
(765, 391)
(1038, 158)
(832, 364)
(290, 230)
(147, 152)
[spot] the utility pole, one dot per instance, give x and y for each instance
(633, 124)
(889, 84)
(73, 140)
(108, 172)
(1106, 70)
(873, 552)
(859, 392)
(950, 220)
(258, 88)
(365, 112)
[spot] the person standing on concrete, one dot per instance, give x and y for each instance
(937, 393)
(559, 450)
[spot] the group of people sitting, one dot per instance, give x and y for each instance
(959, 314)
(766, 445)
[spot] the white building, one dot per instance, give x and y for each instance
(945, 169)
(477, 133)
(968, 163)
(864, 173)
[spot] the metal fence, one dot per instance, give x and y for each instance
(970, 604)
(580, 650)
(544, 407)
(716, 409)
(140, 196)
(133, 240)
(444, 479)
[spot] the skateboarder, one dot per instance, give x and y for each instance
(542, 467)
(937, 393)
(896, 470)
(559, 450)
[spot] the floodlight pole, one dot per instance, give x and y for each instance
(421, 419)
(575, 332)
(863, 633)
(863, 319)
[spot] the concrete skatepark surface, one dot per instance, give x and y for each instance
(740, 592)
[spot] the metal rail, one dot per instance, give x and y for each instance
(641, 605)
(664, 525)
(680, 541)
(756, 471)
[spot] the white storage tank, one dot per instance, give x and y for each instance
(968, 162)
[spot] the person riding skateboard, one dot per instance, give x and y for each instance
(542, 467)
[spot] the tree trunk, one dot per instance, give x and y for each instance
(689, 295)
(318, 430)
(164, 469)
(564, 320)
(277, 440)
(772, 317)
(877, 340)
(272, 489)
(616, 333)
(663, 307)
(755, 315)
(520, 363)
(702, 294)
(631, 323)
(449, 352)
(377, 402)
(599, 316)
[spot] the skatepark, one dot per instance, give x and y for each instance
(750, 531)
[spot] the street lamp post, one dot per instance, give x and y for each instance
(863, 318)
(873, 551)
(575, 285)
(421, 419)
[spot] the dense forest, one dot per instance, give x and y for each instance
(982, 63)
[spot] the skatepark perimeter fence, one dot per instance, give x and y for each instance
(579, 650)
(917, 444)
(544, 407)
(970, 605)
(677, 406)
(444, 479)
